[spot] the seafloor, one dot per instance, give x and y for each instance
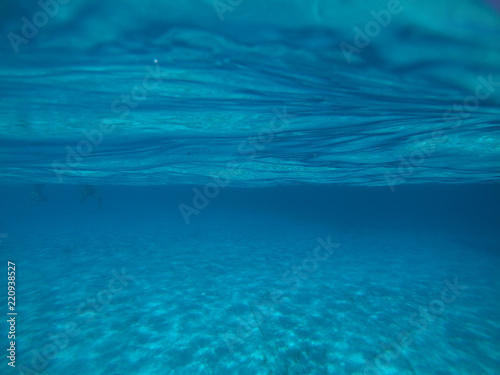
(244, 290)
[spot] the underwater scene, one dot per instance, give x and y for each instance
(250, 187)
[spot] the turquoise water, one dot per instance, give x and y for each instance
(251, 187)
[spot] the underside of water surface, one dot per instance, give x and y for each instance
(250, 187)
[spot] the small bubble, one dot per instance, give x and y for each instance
(155, 61)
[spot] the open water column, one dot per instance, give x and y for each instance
(250, 187)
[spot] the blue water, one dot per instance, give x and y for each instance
(251, 187)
